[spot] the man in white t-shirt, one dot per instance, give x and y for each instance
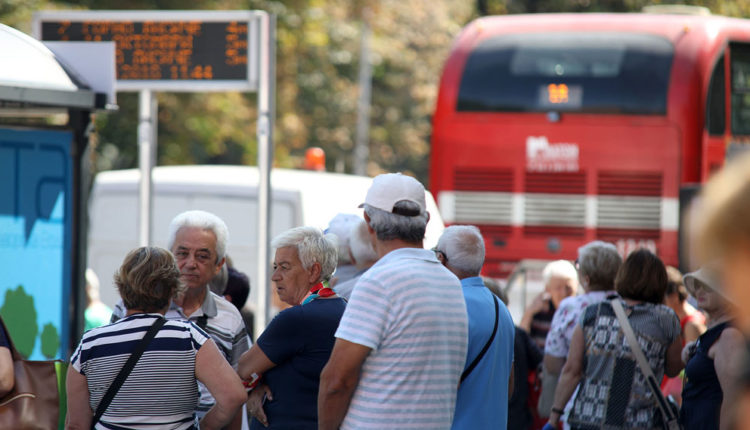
(401, 344)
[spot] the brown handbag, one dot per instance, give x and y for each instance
(33, 403)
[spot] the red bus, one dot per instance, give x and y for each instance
(552, 130)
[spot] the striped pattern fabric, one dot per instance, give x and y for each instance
(410, 311)
(161, 392)
(223, 323)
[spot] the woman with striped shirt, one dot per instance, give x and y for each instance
(161, 390)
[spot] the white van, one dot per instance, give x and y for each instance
(298, 198)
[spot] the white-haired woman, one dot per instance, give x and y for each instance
(363, 256)
(560, 281)
(291, 352)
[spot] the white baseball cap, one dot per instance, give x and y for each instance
(390, 188)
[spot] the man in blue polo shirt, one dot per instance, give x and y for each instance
(482, 401)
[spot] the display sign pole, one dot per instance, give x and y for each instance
(188, 51)
(146, 150)
(266, 110)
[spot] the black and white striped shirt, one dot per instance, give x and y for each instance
(223, 323)
(161, 391)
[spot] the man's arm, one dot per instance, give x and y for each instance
(338, 381)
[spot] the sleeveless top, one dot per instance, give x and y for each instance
(701, 393)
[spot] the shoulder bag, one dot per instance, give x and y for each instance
(34, 401)
(486, 345)
(126, 369)
(669, 417)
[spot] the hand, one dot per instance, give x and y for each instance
(688, 351)
(255, 402)
(539, 303)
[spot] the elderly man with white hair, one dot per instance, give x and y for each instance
(401, 344)
(198, 241)
(482, 400)
(296, 345)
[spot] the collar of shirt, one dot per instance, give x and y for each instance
(415, 253)
(473, 281)
(208, 308)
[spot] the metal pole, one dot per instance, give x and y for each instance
(146, 143)
(361, 147)
(266, 110)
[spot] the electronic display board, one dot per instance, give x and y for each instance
(166, 50)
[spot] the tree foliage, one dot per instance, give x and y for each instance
(50, 341)
(318, 54)
(19, 315)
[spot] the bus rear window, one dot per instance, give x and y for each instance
(573, 72)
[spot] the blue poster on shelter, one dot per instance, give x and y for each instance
(35, 239)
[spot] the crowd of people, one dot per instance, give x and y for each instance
(382, 333)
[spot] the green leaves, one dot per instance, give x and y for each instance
(19, 315)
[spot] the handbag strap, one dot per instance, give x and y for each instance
(126, 369)
(486, 345)
(666, 411)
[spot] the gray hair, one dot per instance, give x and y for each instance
(463, 246)
(203, 220)
(361, 244)
(599, 261)
(312, 247)
(559, 269)
(390, 226)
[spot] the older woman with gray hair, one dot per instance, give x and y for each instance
(363, 256)
(597, 266)
(290, 354)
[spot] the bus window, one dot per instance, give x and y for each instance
(740, 69)
(571, 72)
(715, 108)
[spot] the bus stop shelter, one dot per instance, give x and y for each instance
(45, 119)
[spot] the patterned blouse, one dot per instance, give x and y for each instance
(613, 393)
(565, 321)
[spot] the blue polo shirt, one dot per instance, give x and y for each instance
(482, 401)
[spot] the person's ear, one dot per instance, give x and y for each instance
(367, 221)
(314, 272)
(218, 266)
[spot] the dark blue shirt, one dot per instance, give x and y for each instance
(4, 338)
(701, 393)
(299, 340)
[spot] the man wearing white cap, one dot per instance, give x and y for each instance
(401, 344)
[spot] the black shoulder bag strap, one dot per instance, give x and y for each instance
(486, 346)
(126, 369)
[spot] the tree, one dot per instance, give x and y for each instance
(316, 92)
(50, 341)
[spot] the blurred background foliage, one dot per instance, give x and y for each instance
(318, 53)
